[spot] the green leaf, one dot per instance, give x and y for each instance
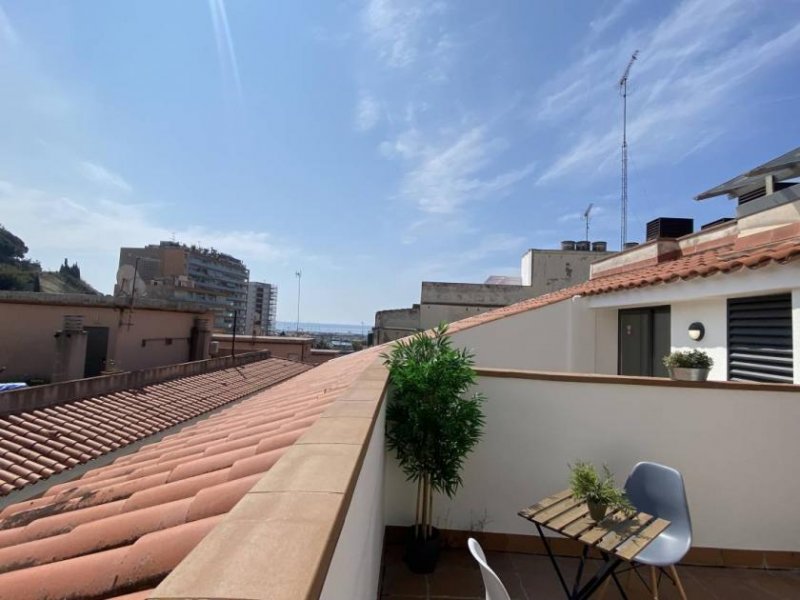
(432, 420)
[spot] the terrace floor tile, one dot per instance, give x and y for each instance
(531, 577)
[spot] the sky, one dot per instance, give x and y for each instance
(377, 144)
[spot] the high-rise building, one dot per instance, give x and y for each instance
(262, 306)
(188, 273)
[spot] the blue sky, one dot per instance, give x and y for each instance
(379, 143)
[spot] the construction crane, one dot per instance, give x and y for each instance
(586, 218)
(623, 90)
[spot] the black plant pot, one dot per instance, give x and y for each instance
(422, 555)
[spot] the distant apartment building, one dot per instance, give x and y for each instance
(173, 271)
(262, 306)
(541, 272)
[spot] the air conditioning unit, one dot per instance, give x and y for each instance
(669, 227)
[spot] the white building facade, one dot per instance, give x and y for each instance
(262, 308)
(738, 281)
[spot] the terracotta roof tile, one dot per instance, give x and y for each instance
(37, 444)
(726, 258)
(119, 529)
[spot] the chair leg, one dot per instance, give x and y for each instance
(678, 581)
(602, 592)
(654, 582)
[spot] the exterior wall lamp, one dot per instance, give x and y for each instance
(697, 331)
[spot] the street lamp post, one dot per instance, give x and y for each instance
(298, 274)
(233, 341)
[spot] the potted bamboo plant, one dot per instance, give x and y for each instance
(689, 365)
(432, 423)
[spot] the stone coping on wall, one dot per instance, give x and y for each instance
(262, 339)
(94, 301)
(278, 541)
(628, 380)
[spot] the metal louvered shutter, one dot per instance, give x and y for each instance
(760, 339)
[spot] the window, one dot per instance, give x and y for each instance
(760, 339)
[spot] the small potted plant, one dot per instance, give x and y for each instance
(598, 491)
(433, 420)
(689, 365)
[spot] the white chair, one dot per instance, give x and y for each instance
(495, 590)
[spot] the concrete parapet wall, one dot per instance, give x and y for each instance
(42, 396)
(473, 294)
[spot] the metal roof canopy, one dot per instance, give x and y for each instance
(783, 167)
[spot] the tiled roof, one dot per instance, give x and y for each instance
(38, 444)
(117, 531)
(725, 258)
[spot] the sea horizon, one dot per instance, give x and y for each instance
(314, 327)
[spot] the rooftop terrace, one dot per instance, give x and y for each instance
(290, 493)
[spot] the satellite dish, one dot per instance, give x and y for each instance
(126, 286)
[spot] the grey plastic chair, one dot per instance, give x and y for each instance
(495, 590)
(658, 490)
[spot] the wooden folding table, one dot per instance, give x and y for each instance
(618, 537)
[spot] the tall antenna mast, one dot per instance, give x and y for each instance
(623, 90)
(586, 218)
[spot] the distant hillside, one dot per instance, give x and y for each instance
(21, 274)
(52, 282)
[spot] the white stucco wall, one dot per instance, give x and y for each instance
(713, 314)
(526, 267)
(796, 333)
(736, 449)
(565, 336)
(354, 571)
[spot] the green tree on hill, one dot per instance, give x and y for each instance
(70, 270)
(16, 272)
(12, 249)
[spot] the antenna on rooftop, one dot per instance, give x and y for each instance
(586, 218)
(623, 90)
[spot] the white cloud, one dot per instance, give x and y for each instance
(608, 18)
(368, 112)
(7, 32)
(444, 176)
(691, 67)
(55, 226)
(463, 265)
(395, 27)
(99, 174)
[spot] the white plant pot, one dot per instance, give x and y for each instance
(688, 374)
